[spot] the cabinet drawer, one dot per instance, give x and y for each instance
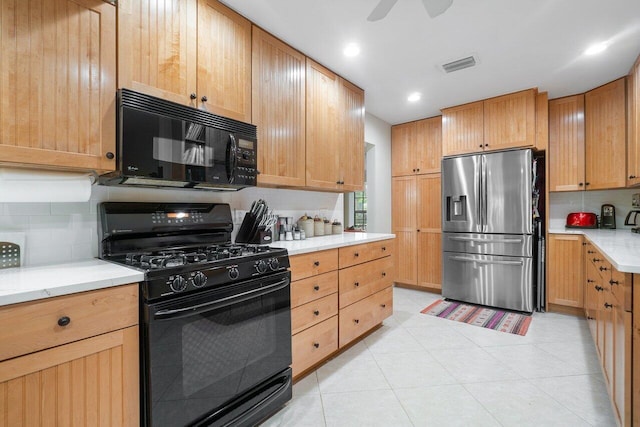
(312, 288)
(314, 344)
(352, 255)
(362, 280)
(358, 318)
(313, 264)
(34, 326)
(313, 312)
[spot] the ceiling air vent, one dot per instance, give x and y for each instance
(467, 62)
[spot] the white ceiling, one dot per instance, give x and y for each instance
(519, 44)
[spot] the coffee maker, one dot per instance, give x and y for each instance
(632, 216)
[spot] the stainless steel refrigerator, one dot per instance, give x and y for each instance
(489, 219)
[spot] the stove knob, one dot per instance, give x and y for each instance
(274, 263)
(178, 284)
(234, 273)
(199, 280)
(261, 266)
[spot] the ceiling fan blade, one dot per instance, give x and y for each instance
(436, 7)
(381, 10)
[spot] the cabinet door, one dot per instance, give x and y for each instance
(605, 136)
(57, 77)
(622, 364)
(278, 110)
(510, 121)
(429, 145)
(157, 48)
(633, 126)
(463, 129)
(428, 203)
(224, 61)
(404, 201)
(429, 261)
(351, 146)
(90, 382)
(428, 217)
(322, 127)
(565, 270)
(403, 149)
(566, 144)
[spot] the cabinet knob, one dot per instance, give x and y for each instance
(418, 170)
(607, 305)
(590, 318)
(64, 321)
(590, 281)
(356, 254)
(486, 145)
(584, 243)
(414, 169)
(384, 274)
(384, 248)
(316, 344)
(316, 313)
(316, 263)
(613, 282)
(480, 146)
(580, 184)
(603, 268)
(110, 155)
(596, 260)
(316, 288)
(587, 183)
(356, 284)
(356, 321)
(590, 252)
(193, 95)
(599, 288)
(204, 98)
(383, 305)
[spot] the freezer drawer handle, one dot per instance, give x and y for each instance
(471, 239)
(484, 261)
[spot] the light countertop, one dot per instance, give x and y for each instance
(621, 247)
(32, 283)
(321, 243)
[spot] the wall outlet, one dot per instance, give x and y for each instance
(635, 200)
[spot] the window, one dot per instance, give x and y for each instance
(360, 210)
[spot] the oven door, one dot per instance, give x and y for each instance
(208, 358)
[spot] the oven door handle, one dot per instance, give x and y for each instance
(220, 303)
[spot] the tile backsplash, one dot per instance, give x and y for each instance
(64, 232)
(561, 204)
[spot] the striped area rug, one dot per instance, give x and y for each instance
(498, 320)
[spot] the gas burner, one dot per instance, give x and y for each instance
(163, 259)
(196, 256)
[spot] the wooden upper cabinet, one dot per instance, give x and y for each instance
(463, 129)
(416, 147)
(322, 127)
(278, 110)
(605, 136)
(510, 120)
(566, 144)
(351, 139)
(633, 125)
(58, 80)
(224, 61)
(157, 48)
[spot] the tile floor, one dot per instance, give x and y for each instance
(419, 370)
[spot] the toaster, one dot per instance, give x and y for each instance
(582, 220)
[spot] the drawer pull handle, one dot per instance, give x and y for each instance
(356, 321)
(607, 305)
(384, 274)
(383, 305)
(603, 268)
(590, 318)
(316, 344)
(356, 254)
(316, 288)
(599, 288)
(316, 313)
(590, 252)
(356, 284)
(384, 248)
(590, 281)
(64, 321)
(613, 282)
(596, 260)
(316, 263)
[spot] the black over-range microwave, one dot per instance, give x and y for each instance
(164, 144)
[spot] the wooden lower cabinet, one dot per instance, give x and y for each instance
(564, 282)
(337, 296)
(86, 381)
(430, 261)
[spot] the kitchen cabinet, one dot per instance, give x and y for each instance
(564, 282)
(71, 360)
(633, 125)
(507, 121)
(416, 147)
(162, 53)
(334, 131)
(566, 144)
(416, 222)
(635, 381)
(58, 79)
(278, 110)
(605, 136)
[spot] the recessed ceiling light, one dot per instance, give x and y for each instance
(596, 48)
(352, 49)
(414, 97)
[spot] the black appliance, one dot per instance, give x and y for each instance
(164, 144)
(215, 321)
(608, 216)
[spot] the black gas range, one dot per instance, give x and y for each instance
(215, 322)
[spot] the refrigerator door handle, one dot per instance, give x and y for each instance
(483, 194)
(484, 261)
(471, 239)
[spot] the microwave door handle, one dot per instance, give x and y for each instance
(232, 159)
(220, 303)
